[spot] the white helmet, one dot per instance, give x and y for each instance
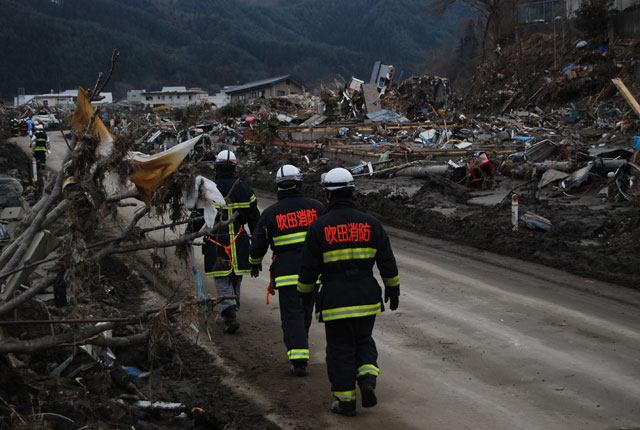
(337, 179)
(288, 172)
(226, 156)
(287, 177)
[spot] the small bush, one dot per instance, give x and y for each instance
(232, 110)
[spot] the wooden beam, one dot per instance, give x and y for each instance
(627, 95)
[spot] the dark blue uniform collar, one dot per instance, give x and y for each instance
(339, 203)
(283, 194)
(225, 174)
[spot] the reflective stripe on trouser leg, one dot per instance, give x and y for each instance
(292, 318)
(341, 358)
(344, 396)
(367, 369)
(298, 354)
(366, 355)
(228, 286)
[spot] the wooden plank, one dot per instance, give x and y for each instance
(508, 103)
(627, 95)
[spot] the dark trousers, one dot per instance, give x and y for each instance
(41, 159)
(351, 354)
(296, 321)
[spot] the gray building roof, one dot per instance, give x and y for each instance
(259, 84)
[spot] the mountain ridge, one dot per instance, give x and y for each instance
(210, 43)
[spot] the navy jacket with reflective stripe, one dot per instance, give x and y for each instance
(243, 201)
(342, 246)
(282, 226)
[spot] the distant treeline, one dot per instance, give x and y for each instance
(47, 45)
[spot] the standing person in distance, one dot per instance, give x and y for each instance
(40, 146)
(283, 227)
(341, 247)
(226, 252)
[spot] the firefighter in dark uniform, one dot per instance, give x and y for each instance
(24, 127)
(283, 226)
(342, 246)
(226, 253)
(40, 146)
(14, 126)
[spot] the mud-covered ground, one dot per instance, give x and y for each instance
(592, 239)
(100, 396)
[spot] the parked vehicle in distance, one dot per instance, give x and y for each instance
(47, 120)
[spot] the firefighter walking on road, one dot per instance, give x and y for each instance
(283, 226)
(14, 127)
(226, 253)
(342, 246)
(40, 146)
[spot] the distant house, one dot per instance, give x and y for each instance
(64, 99)
(135, 96)
(221, 98)
(174, 97)
(267, 88)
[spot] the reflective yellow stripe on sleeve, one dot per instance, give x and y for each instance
(283, 281)
(348, 254)
(391, 282)
(305, 288)
(255, 260)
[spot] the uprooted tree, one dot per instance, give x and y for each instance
(79, 197)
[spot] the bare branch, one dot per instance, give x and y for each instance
(168, 243)
(125, 195)
(89, 334)
(121, 342)
(31, 231)
(114, 58)
(31, 292)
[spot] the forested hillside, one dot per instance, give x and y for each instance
(48, 45)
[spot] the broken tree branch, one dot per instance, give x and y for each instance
(114, 57)
(173, 242)
(89, 334)
(31, 292)
(121, 342)
(31, 231)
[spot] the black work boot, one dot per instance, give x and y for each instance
(299, 367)
(348, 409)
(368, 393)
(231, 324)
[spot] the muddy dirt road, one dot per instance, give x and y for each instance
(480, 341)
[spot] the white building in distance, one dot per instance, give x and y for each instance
(64, 99)
(175, 97)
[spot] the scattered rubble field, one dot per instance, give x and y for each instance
(424, 161)
(179, 372)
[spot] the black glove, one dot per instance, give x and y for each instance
(255, 270)
(392, 294)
